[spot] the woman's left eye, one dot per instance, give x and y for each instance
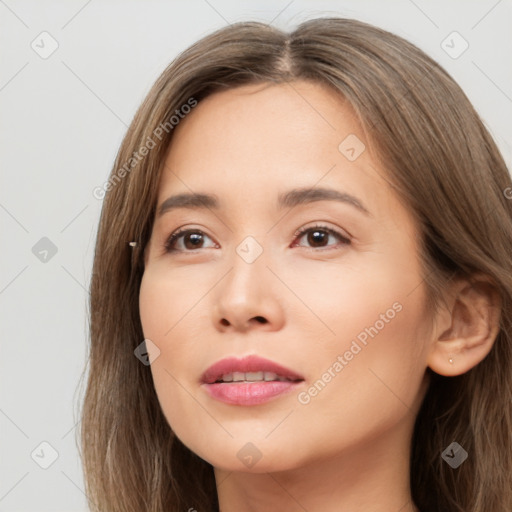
(194, 238)
(320, 234)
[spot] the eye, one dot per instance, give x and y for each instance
(192, 239)
(319, 235)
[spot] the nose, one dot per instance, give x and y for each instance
(247, 298)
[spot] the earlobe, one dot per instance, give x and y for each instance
(467, 328)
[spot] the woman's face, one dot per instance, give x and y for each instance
(343, 309)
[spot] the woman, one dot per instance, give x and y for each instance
(301, 293)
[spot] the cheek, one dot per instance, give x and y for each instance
(377, 323)
(340, 299)
(170, 310)
(362, 389)
(155, 304)
(170, 313)
(167, 299)
(163, 306)
(369, 374)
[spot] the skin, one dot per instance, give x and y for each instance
(348, 447)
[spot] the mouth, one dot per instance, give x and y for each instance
(248, 369)
(248, 381)
(254, 377)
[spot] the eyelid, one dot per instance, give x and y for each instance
(177, 234)
(342, 233)
(344, 239)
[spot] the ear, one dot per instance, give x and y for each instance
(466, 327)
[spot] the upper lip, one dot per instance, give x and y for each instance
(252, 363)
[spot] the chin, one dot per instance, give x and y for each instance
(247, 456)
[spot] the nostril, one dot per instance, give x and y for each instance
(260, 319)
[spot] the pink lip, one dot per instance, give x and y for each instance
(248, 393)
(250, 363)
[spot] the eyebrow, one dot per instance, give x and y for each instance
(287, 199)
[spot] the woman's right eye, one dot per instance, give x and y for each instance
(191, 239)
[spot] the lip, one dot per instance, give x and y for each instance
(251, 363)
(248, 393)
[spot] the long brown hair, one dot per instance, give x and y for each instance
(437, 155)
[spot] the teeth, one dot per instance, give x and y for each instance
(238, 376)
(251, 377)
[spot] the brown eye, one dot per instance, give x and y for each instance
(191, 239)
(318, 236)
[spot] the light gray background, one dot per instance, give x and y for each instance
(62, 119)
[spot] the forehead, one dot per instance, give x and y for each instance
(265, 117)
(257, 140)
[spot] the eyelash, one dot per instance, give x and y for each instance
(298, 234)
(320, 227)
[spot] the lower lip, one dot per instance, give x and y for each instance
(249, 393)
